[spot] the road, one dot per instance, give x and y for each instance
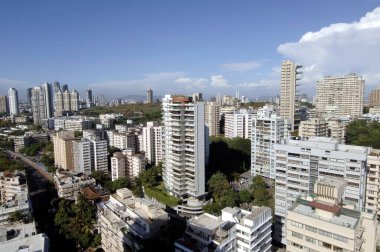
(33, 165)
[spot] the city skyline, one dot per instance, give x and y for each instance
(186, 47)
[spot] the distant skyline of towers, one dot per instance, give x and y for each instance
(288, 89)
(13, 101)
(149, 95)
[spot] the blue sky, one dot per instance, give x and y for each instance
(120, 48)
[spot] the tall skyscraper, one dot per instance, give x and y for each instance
(56, 86)
(49, 100)
(184, 150)
(149, 95)
(65, 87)
(89, 98)
(4, 104)
(288, 90)
(212, 118)
(29, 96)
(340, 96)
(74, 100)
(39, 105)
(58, 103)
(13, 101)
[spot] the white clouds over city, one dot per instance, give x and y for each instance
(339, 49)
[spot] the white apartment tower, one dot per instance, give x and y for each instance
(344, 95)
(152, 142)
(266, 131)
(39, 105)
(99, 150)
(299, 164)
(239, 124)
(13, 101)
(288, 90)
(212, 118)
(82, 156)
(184, 150)
(48, 100)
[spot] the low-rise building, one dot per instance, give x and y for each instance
(236, 230)
(22, 237)
(69, 185)
(125, 221)
(14, 194)
(320, 223)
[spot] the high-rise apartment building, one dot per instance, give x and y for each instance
(66, 102)
(299, 164)
(238, 124)
(152, 142)
(29, 96)
(118, 166)
(82, 156)
(344, 95)
(74, 100)
(372, 200)
(13, 101)
(39, 105)
(149, 95)
(99, 150)
(63, 150)
(288, 90)
(320, 223)
(4, 104)
(49, 100)
(89, 98)
(374, 98)
(65, 87)
(212, 118)
(266, 131)
(184, 143)
(56, 86)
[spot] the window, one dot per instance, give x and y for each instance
(340, 238)
(297, 224)
(325, 245)
(311, 229)
(311, 240)
(325, 233)
(297, 235)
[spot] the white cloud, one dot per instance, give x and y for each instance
(219, 81)
(339, 49)
(242, 66)
(193, 83)
(264, 83)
